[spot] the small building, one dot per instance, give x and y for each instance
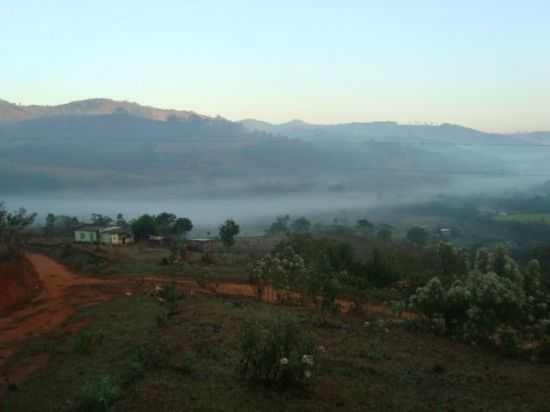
(87, 234)
(113, 235)
(116, 236)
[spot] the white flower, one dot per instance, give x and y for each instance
(307, 374)
(308, 360)
(284, 361)
(321, 349)
(366, 324)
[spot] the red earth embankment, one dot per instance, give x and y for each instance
(19, 284)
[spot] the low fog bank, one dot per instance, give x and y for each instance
(254, 212)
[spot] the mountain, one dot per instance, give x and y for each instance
(99, 144)
(10, 112)
(392, 131)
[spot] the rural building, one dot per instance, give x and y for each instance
(113, 235)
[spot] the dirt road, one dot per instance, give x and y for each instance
(61, 293)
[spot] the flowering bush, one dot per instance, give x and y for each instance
(496, 293)
(285, 270)
(277, 352)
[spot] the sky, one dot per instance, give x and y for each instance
(483, 64)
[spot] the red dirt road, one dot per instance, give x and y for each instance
(61, 293)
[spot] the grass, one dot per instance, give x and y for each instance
(525, 218)
(190, 362)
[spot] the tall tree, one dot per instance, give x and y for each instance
(165, 222)
(144, 226)
(101, 220)
(11, 227)
(121, 221)
(228, 231)
(301, 225)
(49, 227)
(182, 226)
(280, 226)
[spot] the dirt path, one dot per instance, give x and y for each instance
(64, 291)
(61, 293)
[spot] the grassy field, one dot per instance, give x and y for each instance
(525, 218)
(193, 356)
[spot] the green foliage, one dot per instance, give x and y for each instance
(380, 270)
(12, 225)
(418, 236)
(165, 222)
(277, 352)
(280, 226)
(364, 225)
(301, 225)
(228, 231)
(99, 395)
(171, 295)
(86, 340)
(50, 224)
(384, 234)
(477, 303)
(182, 226)
(101, 220)
(144, 226)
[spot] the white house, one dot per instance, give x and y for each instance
(113, 235)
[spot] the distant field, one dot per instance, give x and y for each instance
(525, 218)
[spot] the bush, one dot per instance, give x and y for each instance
(171, 296)
(277, 353)
(86, 340)
(99, 395)
(494, 295)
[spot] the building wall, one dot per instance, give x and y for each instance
(85, 236)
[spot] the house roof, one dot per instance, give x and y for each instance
(89, 228)
(102, 229)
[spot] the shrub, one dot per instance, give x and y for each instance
(99, 395)
(285, 269)
(278, 352)
(171, 296)
(86, 340)
(476, 304)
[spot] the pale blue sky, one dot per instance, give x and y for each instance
(484, 64)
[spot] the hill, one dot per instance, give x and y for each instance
(100, 144)
(10, 112)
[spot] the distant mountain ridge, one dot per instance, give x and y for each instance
(10, 112)
(99, 144)
(391, 131)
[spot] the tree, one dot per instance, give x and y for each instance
(228, 231)
(101, 220)
(11, 227)
(165, 222)
(418, 236)
(280, 226)
(364, 225)
(121, 221)
(384, 234)
(66, 224)
(301, 225)
(144, 226)
(49, 228)
(182, 226)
